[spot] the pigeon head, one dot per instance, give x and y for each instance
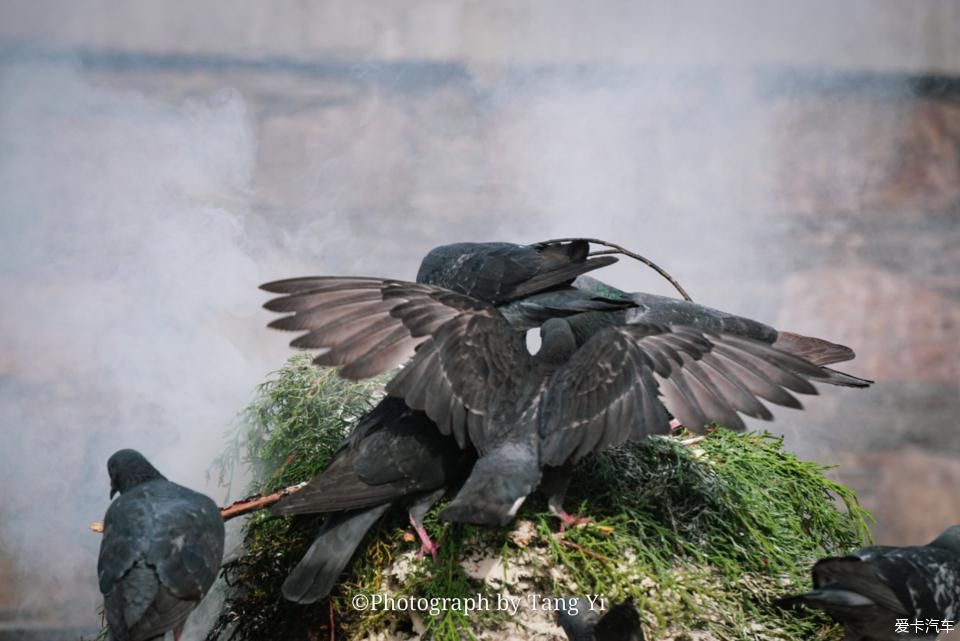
(949, 539)
(576, 618)
(557, 342)
(129, 468)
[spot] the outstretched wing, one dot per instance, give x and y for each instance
(467, 352)
(365, 326)
(620, 385)
(461, 377)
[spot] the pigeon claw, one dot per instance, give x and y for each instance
(675, 425)
(570, 521)
(426, 545)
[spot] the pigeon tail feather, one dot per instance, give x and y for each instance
(317, 572)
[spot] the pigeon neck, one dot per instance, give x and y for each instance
(586, 324)
(558, 344)
(949, 540)
(135, 475)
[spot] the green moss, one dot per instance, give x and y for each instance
(702, 537)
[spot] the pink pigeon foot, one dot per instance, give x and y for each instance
(426, 545)
(675, 425)
(569, 521)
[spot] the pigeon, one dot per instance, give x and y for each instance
(528, 283)
(503, 272)
(581, 623)
(473, 376)
(877, 593)
(161, 551)
(395, 454)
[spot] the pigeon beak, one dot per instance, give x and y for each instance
(113, 492)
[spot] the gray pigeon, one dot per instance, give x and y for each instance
(472, 374)
(161, 551)
(878, 593)
(503, 272)
(620, 623)
(395, 454)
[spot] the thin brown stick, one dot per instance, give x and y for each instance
(579, 548)
(333, 636)
(254, 503)
(626, 252)
(238, 508)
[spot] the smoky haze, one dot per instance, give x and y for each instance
(125, 267)
(145, 193)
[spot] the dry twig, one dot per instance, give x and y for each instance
(237, 508)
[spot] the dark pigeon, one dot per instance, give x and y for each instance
(873, 589)
(620, 623)
(528, 283)
(395, 454)
(161, 551)
(499, 273)
(472, 374)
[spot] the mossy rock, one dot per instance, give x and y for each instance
(703, 535)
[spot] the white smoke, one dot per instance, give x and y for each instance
(129, 304)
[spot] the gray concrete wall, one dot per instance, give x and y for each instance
(860, 35)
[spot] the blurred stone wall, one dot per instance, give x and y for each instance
(383, 133)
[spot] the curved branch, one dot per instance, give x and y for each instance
(617, 249)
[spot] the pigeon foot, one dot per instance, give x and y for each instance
(569, 521)
(675, 425)
(426, 545)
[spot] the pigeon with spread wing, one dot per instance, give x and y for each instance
(474, 377)
(395, 455)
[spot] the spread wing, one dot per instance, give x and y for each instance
(472, 368)
(620, 385)
(466, 353)
(365, 326)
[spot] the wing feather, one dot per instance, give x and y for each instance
(622, 382)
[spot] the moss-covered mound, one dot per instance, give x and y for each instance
(701, 535)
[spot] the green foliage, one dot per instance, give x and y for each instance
(295, 424)
(721, 528)
(703, 537)
(286, 435)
